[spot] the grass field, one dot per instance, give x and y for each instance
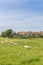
(16, 54)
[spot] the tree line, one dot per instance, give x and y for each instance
(12, 34)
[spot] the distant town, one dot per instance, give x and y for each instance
(11, 33)
(27, 34)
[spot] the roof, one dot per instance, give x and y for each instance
(23, 32)
(35, 33)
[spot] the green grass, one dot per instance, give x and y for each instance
(17, 55)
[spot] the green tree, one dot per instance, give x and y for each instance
(8, 32)
(3, 34)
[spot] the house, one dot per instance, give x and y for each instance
(36, 34)
(25, 34)
(30, 34)
(41, 33)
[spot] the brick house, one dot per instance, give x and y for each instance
(31, 34)
(36, 34)
(25, 34)
(41, 33)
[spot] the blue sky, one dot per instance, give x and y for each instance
(21, 15)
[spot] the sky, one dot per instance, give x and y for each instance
(21, 15)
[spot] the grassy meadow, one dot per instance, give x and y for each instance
(12, 51)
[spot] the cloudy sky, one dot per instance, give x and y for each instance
(21, 15)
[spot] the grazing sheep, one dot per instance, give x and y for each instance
(15, 43)
(26, 47)
(7, 41)
(11, 43)
(2, 42)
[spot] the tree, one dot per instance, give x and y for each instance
(8, 32)
(13, 33)
(3, 34)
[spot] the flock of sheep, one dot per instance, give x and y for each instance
(14, 43)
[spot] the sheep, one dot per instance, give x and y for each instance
(26, 47)
(3, 42)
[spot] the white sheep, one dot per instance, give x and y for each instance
(26, 47)
(2, 42)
